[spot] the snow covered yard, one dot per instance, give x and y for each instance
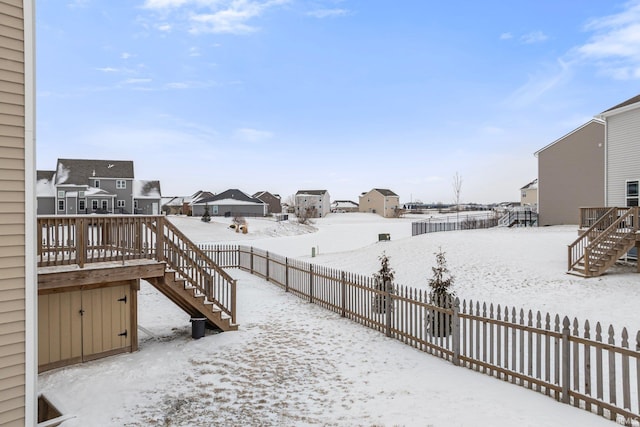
(293, 363)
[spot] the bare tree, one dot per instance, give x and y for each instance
(457, 188)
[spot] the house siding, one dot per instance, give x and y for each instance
(571, 175)
(623, 155)
(17, 374)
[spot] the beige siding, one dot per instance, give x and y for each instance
(623, 154)
(12, 215)
(571, 175)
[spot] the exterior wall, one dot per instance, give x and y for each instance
(529, 196)
(126, 194)
(375, 202)
(230, 210)
(146, 206)
(274, 204)
(322, 203)
(623, 154)
(46, 206)
(17, 216)
(571, 175)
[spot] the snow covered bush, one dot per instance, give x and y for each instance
(383, 283)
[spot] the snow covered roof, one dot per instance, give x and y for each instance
(229, 202)
(533, 185)
(311, 192)
(78, 171)
(44, 184)
(344, 204)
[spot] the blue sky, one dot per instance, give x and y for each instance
(342, 95)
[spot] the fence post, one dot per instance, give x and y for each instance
(310, 282)
(251, 260)
(286, 274)
(566, 360)
(455, 330)
(343, 290)
(233, 301)
(238, 263)
(388, 307)
(267, 275)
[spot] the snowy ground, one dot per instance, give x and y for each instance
(294, 364)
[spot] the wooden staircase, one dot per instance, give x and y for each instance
(604, 243)
(191, 300)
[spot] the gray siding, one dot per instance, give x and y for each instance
(623, 154)
(571, 175)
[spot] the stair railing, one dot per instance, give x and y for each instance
(200, 271)
(576, 250)
(625, 226)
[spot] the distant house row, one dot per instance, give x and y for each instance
(80, 186)
(595, 165)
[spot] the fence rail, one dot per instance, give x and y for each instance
(468, 222)
(593, 369)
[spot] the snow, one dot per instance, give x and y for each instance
(292, 363)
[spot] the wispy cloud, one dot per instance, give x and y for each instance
(108, 70)
(214, 16)
(136, 81)
(328, 13)
(506, 36)
(534, 37)
(126, 55)
(77, 4)
(540, 83)
(194, 51)
(615, 44)
(252, 135)
(164, 27)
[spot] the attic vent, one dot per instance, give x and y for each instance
(109, 166)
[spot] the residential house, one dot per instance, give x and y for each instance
(380, 201)
(313, 203)
(18, 274)
(622, 153)
(571, 174)
(342, 206)
(529, 194)
(273, 201)
(183, 205)
(232, 202)
(82, 186)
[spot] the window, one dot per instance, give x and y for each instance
(61, 205)
(60, 194)
(82, 205)
(105, 205)
(94, 205)
(120, 203)
(632, 193)
(135, 204)
(80, 194)
(96, 183)
(121, 184)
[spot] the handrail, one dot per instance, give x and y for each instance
(77, 240)
(608, 233)
(600, 229)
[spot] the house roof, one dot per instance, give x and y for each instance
(531, 186)
(146, 189)
(385, 191)
(233, 194)
(595, 121)
(312, 192)
(260, 194)
(78, 171)
(344, 204)
(628, 102)
(44, 184)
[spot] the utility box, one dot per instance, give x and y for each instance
(383, 237)
(197, 327)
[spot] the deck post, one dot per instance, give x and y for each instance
(233, 301)
(160, 239)
(81, 244)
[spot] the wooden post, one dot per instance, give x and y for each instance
(81, 244)
(388, 307)
(267, 273)
(233, 301)
(160, 239)
(286, 274)
(251, 260)
(310, 282)
(343, 291)
(455, 330)
(566, 360)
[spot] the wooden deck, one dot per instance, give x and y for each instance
(88, 251)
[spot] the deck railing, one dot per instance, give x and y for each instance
(78, 240)
(593, 368)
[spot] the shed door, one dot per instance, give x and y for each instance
(59, 328)
(106, 320)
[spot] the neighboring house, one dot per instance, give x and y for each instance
(273, 201)
(232, 202)
(341, 206)
(18, 275)
(82, 186)
(316, 202)
(571, 174)
(529, 194)
(622, 153)
(380, 201)
(183, 205)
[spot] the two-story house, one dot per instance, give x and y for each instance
(273, 201)
(529, 194)
(80, 186)
(312, 203)
(381, 201)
